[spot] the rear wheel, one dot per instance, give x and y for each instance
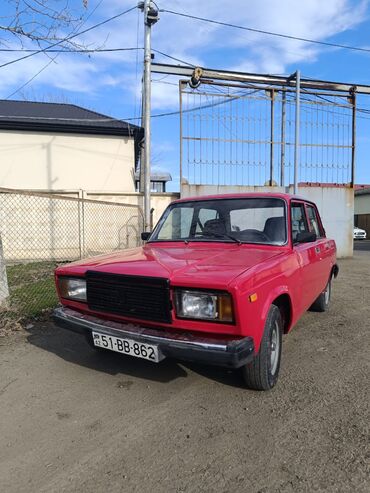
(262, 373)
(321, 304)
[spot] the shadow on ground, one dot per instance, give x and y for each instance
(73, 348)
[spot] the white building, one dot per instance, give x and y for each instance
(61, 147)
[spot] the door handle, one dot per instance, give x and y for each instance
(317, 249)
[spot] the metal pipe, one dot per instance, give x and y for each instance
(181, 131)
(282, 149)
(207, 73)
(353, 156)
(146, 114)
(297, 128)
(272, 116)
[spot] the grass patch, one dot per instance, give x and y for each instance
(31, 288)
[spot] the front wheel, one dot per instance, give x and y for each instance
(263, 371)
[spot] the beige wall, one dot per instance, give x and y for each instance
(36, 227)
(159, 201)
(54, 161)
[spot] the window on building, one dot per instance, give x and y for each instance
(155, 186)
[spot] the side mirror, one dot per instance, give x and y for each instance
(306, 237)
(145, 235)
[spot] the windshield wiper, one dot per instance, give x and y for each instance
(223, 235)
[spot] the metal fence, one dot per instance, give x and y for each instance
(240, 134)
(38, 232)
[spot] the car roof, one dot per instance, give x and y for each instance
(270, 195)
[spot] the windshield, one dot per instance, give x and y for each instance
(246, 220)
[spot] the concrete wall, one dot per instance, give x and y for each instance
(53, 161)
(362, 204)
(336, 206)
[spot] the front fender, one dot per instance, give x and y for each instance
(256, 313)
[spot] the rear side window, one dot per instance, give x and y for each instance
(299, 222)
(313, 221)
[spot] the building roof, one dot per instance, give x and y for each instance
(363, 191)
(60, 117)
(159, 176)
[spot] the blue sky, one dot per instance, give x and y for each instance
(110, 82)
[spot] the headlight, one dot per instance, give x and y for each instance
(204, 306)
(72, 288)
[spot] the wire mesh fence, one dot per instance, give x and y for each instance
(38, 232)
(238, 135)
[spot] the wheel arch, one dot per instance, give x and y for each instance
(282, 299)
(334, 271)
(284, 303)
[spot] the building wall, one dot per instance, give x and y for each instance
(159, 201)
(46, 227)
(362, 204)
(336, 206)
(54, 161)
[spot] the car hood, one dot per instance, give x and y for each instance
(192, 264)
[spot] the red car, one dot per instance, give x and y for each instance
(219, 281)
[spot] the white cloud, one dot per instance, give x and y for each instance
(197, 42)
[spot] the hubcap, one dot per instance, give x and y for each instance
(274, 348)
(327, 294)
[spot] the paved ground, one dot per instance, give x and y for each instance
(75, 421)
(361, 245)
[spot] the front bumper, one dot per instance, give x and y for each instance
(181, 345)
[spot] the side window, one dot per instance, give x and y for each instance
(313, 221)
(299, 222)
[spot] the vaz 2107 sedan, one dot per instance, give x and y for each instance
(219, 281)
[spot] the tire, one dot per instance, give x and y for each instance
(263, 371)
(321, 304)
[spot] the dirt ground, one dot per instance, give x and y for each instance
(72, 420)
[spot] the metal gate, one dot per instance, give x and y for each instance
(244, 134)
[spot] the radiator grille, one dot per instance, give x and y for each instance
(146, 298)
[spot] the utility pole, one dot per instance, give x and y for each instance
(150, 18)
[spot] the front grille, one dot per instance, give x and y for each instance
(146, 298)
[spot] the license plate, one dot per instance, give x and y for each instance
(127, 346)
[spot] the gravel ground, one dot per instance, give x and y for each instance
(72, 420)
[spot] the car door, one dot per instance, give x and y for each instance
(307, 257)
(323, 249)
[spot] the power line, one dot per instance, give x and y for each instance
(173, 58)
(85, 50)
(68, 38)
(32, 78)
(270, 33)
